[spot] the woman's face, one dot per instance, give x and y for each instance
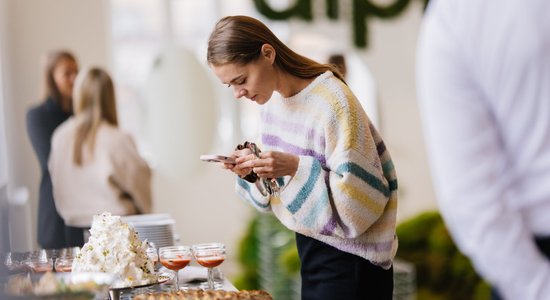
(255, 80)
(64, 74)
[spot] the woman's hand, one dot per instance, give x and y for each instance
(271, 164)
(241, 155)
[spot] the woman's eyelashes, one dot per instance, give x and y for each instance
(240, 82)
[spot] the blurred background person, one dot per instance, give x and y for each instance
(94, 166)
(339, 61)
(484, 92)
(61, 69)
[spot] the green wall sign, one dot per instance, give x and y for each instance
(362, 11)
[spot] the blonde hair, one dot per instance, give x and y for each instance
(239, 40)
(94, 102)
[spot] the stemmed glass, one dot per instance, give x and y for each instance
(209, 255)
(39, 261)
(14, 261)
(153, 254)
(64, 262)
(175, 258)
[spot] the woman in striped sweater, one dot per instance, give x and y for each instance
(338, 188)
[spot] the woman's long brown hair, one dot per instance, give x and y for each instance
(239, 40)
(94, 102)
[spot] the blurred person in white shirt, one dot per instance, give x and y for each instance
(484, 89)
(95, 167)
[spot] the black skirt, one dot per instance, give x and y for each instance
(75, 236)
(328, 273)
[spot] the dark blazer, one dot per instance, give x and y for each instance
(42, 120)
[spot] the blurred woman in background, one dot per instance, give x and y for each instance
(60, 72)
(94, 166)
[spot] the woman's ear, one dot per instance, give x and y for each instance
(268, 52)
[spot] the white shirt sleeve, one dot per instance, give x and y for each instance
(471, 167)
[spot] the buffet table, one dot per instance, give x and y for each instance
(191, 277)
(130, 264)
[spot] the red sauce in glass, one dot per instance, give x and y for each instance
(41, 267)
(60, 268)
(175, 263)
(210, 262)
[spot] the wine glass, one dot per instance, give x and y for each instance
(64, 264)
(152, 253)
(64, 261)
(39, 261)
(175, 258)
(209, 255)
(11, 262)
(70, 252)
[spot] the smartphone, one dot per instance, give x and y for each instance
(218, 158)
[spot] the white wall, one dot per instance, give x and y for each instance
(391, 58)
(3, 146)
(4, 220)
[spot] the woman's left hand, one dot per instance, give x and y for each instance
(271, 164)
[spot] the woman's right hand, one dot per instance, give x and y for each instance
(244, 155)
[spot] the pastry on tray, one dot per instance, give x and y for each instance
(206, 295)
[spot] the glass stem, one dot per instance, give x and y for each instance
(177, 287)
(210, 278)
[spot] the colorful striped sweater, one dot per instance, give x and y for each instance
(344, 192)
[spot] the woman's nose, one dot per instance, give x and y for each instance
(239, 92)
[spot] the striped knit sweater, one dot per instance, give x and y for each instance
(344, 192)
